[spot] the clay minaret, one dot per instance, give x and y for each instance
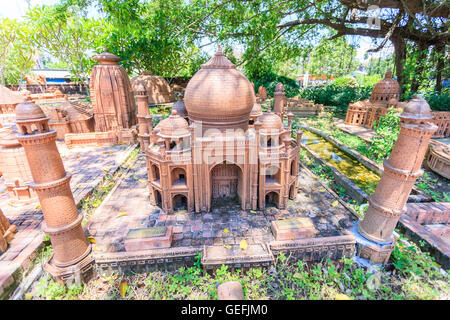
(142, 104)
(401, 170)
(278, 104)
(71, 252)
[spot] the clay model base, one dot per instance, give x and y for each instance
(82, 271)
(373, 251)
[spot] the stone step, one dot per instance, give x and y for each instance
(255, 255)
(429, 212)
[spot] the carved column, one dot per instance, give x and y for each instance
(71, 252)
(142, 104)
(401, 170)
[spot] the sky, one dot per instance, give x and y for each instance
(15, 9)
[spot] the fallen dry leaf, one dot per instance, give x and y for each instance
(335, 203)
(38, 207)
(342, 296)
(121, 214)
(226, 230)
(123, 288)
(227, 246)
(243, 244)
(91, 239)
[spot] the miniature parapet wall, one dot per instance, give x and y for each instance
(301, 107)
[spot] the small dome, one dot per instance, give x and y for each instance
(28, 110)
(385, 89)
(179, 107)
(140, 90)
(219, 95)
(106, 58)
(279, 87)
(270, 121)
(157, 88)
(256, 111)
(173, 126)
(9, 140)
(417, 108)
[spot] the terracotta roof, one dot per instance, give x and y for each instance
(10, 97)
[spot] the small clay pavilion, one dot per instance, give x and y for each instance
(384, 95)
(158, 89)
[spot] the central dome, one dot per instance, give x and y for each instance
(219, 95)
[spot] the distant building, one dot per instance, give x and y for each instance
(53, 75)
(313, 80)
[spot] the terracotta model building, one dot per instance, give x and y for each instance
(7, 232)
(50, 94)
(301, 107)
(438, 158)
(401, 170)
(15, 169)
(9, 99)
(70, 117)
(442, 120)
(385, 94)
(112, 99)
(113, 105)
(218, 156)
(180, 107)
(142, 103)
(158, 89)
(71, 252)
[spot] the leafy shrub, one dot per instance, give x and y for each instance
(345, 81)
(341, 96)
(335, 95)
(367, 81)
(269, 80)
(387, 129)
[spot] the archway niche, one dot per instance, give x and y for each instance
(273, 174)
(158, 198)
(226, 182)
(155, 172)
(178, 177)
(292, 192)
(179, 202)
(272, 199)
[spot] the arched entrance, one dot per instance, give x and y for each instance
(272, 199)
(178, 176)
(226, 182)
(292, 192)
(158, 198)
(179, 202)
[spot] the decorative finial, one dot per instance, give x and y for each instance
(388, 74)
(219, 50)
(105, 49)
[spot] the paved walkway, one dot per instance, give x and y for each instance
(128, 207)
(88, 166)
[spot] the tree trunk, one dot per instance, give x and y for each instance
(439, 48)
(400, 57)
(417, 77)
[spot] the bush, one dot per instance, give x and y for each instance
(387, 128)
(269, 80)
(345, 81)
(336, 95)
(341, 96)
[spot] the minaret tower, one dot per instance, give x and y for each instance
(401, 170)
(278, 104)
(71, 252)
(142, 104)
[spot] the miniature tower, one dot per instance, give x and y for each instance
(71, 252)
(401, 170)
(142, 102)
(278, 104)
(112, 99)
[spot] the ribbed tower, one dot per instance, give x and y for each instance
(51, 183)
(111, 94)
(401, 170)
